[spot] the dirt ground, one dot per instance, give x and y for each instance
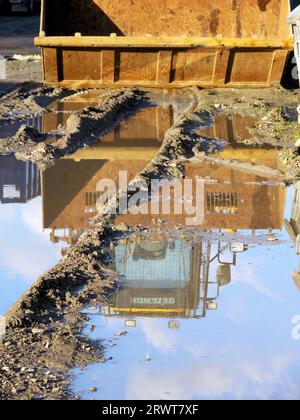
(16, 35)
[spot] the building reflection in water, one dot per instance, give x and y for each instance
(164, 276)
(19, 181)
(234, 200)
(69, 188)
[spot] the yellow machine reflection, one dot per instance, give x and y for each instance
(168, 278)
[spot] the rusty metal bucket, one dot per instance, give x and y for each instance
(175, 43)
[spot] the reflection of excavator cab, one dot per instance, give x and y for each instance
(150, 250)
(168, 278)
(160, 279)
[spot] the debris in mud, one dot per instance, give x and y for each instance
(254, 102)
(24, 141)
(290, 161)
(279, 126)
(83, 128)
(38, 359)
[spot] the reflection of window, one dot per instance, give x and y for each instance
(91, 198)
(88, 210)
(11, 192)
(222, 203)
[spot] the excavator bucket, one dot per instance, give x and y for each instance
(165, 44)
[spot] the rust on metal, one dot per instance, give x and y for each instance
(177, 43)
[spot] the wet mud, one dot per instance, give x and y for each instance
(82, 129)
(28, 101)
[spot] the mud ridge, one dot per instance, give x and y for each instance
(181, 143)
(83, 273)
(36, 321)
(83, 261)
(28, 101)
(247, 167)
(83, 128)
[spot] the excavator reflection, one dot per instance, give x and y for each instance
(165, 276)
(170, 278)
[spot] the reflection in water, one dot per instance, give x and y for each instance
(143, 133)
(70, 188)
(25, 250)
(166, 277)
(19, 181)
(170, 279)
(233, 200)
(159, 346)
(155, 331)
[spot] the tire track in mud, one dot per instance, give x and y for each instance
(39, 326)
(28, 101)
(48, 315)
(83, 128)
(84, 260)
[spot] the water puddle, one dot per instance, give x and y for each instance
(201, 315)
(11, 129)
(202, 311)
(26, 251)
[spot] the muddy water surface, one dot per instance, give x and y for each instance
(26, 251)
(195, 319)
(201, 312)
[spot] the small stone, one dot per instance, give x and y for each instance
(36, 331)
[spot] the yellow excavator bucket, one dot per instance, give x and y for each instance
(170, 43)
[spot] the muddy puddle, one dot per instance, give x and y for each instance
(22, 234)
(206, 296)
(202, 315)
